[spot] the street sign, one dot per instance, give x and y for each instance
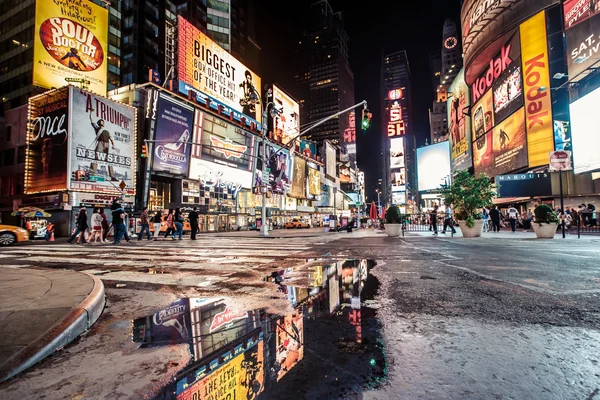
(122, 185)
(265, 177)
(560, 161)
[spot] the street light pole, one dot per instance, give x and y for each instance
(379, 201)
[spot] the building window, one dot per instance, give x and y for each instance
(21, 155)
(8, 133)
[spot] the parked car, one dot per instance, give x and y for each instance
(296, 223)
(12, 234)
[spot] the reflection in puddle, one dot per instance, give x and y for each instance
(329, 346)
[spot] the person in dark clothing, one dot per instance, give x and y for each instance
(178, 221)
(157, 220)
(495, 217)
(118, 221)
(82, 226)
(433, 219)
(105, 226)
(145, 224)
(193, 217)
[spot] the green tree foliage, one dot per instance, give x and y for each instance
(468, 194)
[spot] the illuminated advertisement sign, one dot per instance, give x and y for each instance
(299, 178)
(289, 342)
(174, 124)
(349, 136)
(215, 75)
(524, 185)
(102, 144)
(433, 165)
(222, 142)
(330, 160)
(279, 164)
(346, 174)
(583, 47)
(48, 142)
(397, 152)
(562, 136)
(236, 374)
(395, 94)
(314, 181)
(507, 92)
(459, 125)
(585, 130)
(217, 175)
(399, 198)
(483, 115)
(396, 123)
(398, 177)
(576, 11)
(308, 149)
(70, 41)
(286, 125)
(538, 104)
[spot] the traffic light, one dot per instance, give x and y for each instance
(366, 119)
(144, 151)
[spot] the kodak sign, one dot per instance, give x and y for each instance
(538, 104)
(495, 69)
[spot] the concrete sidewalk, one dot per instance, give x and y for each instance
(42, 310)
(508, 234)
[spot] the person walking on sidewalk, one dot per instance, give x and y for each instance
(96, 227)
(145, 224)
(512, 217)
(105, 225)
(178, 221)
(433, 219)
(495, 217)
(157, 220)
(170, 224)
(82, 226)
(118, 221)
(448, 219)
(193, 217)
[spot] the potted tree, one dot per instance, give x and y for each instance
(468, 194)
(393, 221)
(545, 223)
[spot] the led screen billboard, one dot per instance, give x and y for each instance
(70, 41)
(48, 142)
(562, 136)
(397, 152)
(585, 130)
(330, 160)
(286, 124)
(483, 115)
(507, 92)
(576, 11)
(583, 47)
(299, 178)
(102, 144)
(172, 132)
(433, 165)
(314, 181)
(308, 149)
(279, 164)
(213, 74)
(459, 125)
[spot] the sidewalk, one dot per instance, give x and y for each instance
(42, 310)
(508, 234)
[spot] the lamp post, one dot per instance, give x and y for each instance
(378, 201)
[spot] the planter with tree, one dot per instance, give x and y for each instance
(393, 221)
(545, 223)
(468, 194)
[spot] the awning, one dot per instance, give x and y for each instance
(510, 200)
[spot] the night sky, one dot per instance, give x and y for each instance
(414, 26)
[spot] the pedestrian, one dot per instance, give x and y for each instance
(81, 227)
(170, 224)
(105, 225)
(486, 219)
(512, 217)
(157, 220)
(193, 217)
(495, 217)
(592, 213)
(118, 221)
(49, 231)
(433, 219)
(448, 219)
(96, 222)
(178, 221)
(145, 225)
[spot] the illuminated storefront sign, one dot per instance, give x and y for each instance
(396, 123)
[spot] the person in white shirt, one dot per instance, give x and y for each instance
(512, 216)
(448, 219)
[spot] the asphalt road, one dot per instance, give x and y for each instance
(495, 317)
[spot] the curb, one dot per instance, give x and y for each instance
(79, 320)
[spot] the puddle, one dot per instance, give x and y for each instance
(330, 346)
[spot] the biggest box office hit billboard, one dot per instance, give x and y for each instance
(512, 114)
(70, 41)
(215, 75)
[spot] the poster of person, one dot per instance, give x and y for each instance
(214, 74)
(70, 41)
(102, 144)
(314, 182)
(459, 125)
(286, 125)
(308, 148)
(510, 144)
(279, 163)
(299, 178)
(173, 129)
(48, 142)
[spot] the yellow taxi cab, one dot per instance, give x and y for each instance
(12, 234)
(296, 223)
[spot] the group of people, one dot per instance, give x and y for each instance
(98, 227)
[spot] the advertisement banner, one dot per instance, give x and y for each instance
(48, 142)
(222, 142)
(330, 160)
(171, 325)
(583, 47)
(299, 178)
(483, 153)
(286, 125)
(308, 148)
(289, 342)
(349, 135)
(562, 136)
(70, 41)
(459, 124)
(314, 182)
(397, 152)
(585, 120)
(483, 115)
(524, 185)
(538, 105)
(214, 74)
(102, 144)
(216, 175)
(398, 177)
(279, 168)
(507, 92)
(576, 11)
(174, 124)
(433, 165)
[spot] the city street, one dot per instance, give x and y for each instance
(492, 317)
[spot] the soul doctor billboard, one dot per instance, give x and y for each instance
(70, 41)
(214, 75)
(102, 144)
